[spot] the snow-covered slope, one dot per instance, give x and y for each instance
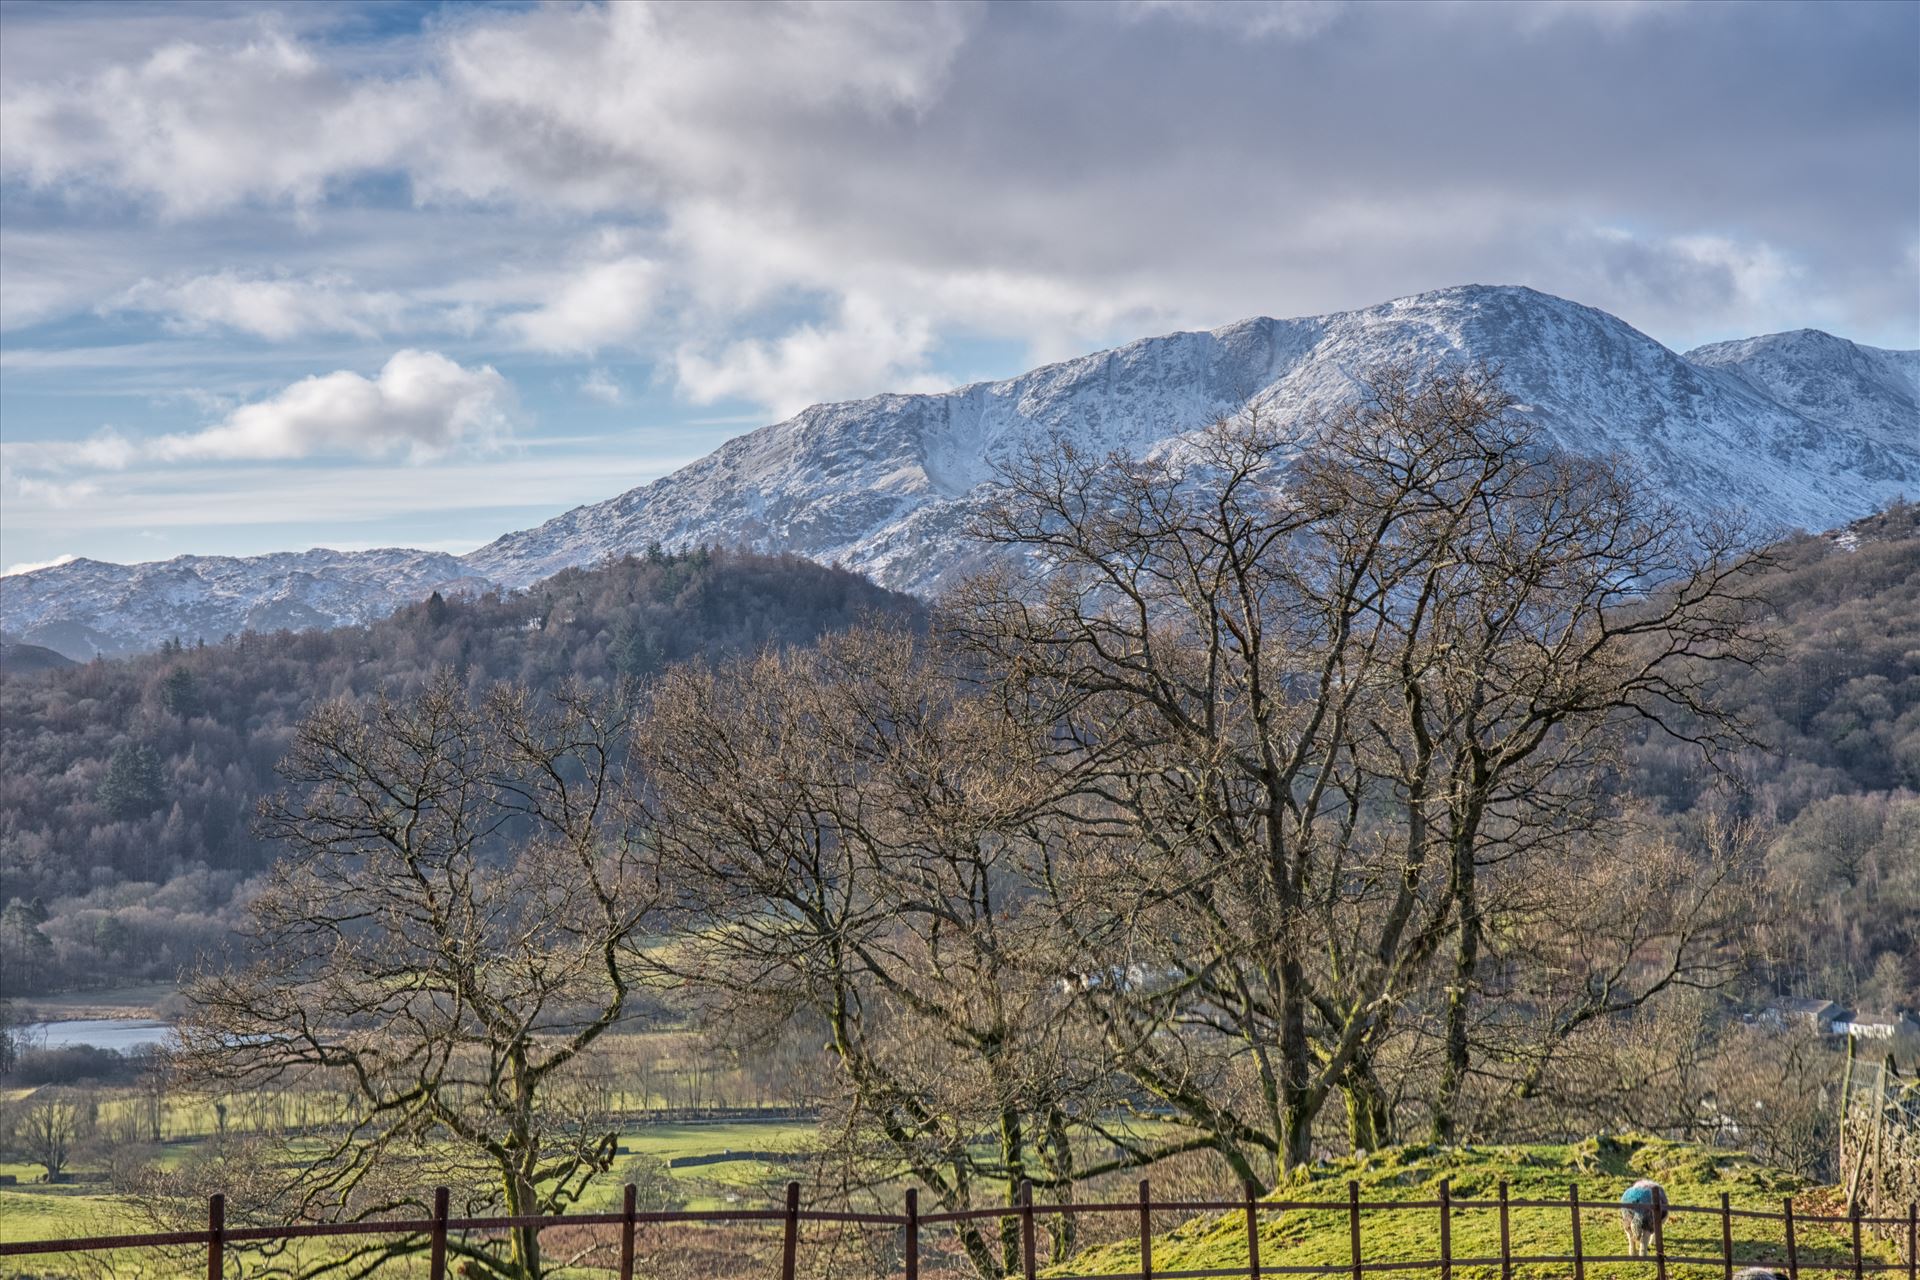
(1811, 435)
(1860, 394)
(87, 607)
(1801, 429)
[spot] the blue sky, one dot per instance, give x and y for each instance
(417, 274)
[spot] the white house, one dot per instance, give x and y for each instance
(1877, 1026)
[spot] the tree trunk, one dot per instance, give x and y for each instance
(1369, 1115)
(1013, 1158)
(1453, 1075)
(1296, 1067)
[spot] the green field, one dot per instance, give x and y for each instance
(35, 1211)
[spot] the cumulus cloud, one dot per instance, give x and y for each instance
(593, 307)
(194, 127)
(419, 406)
(865, 347)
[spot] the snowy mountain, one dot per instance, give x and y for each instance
(87, 607)
(1850, 390)
(1801, 429)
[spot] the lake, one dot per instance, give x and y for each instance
(123, 1034)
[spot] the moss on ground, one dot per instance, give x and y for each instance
(1603, 1168)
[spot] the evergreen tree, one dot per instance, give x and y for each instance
(110, 935)
(25, 952)
(632, 653)
(180, 693)
(133, 787)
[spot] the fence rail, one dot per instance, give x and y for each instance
(1028, 1213)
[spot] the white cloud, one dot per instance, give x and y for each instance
(420, 405)
(105, 450)
(867, 347)
(592, 308)
(56, 561)
(195, 128)
(602, 386)
(276, 308)
(589, 106)
(57, 495)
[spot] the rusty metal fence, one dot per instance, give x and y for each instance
(1028, 1216)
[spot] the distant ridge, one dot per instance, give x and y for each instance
(1800, 429)
(30, 659)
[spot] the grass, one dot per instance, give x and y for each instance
(1602, 1168)
(36, 1211)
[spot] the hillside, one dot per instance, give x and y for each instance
(25, 659)
(90, 608)
(128, 786)
(143, 865)
(1802, 430)
(1603, 1167)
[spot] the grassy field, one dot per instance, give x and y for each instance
(36, 1211)
(1691, 1175)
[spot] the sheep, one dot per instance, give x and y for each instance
(1643, 1209)
(1759, 1273)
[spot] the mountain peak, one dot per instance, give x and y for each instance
(1801, 429)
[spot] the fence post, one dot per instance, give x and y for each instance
(1853, 1214)
(1913, 1241)
(1446, 1229)
(790, 1246)
(1146, 1231)
(1253, 1238)
(628, 1204)
(913, 1234)
(1028, 1255)
(1726, 1236)
(1506, 1237)
(1579, 1247)
(1659, 1242)
(437, 1251)
(1353, 1224)
(1793, 1243)
(216, 1236)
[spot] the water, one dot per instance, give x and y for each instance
(123, 1034)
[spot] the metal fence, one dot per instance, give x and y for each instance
(1027, 1216)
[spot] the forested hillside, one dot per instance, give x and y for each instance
(1836, 711)
(127, 787)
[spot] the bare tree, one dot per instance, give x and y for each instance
(457, 921)
(1317, 675)
(1606, 929)
(856, 835)
(49, 1126)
